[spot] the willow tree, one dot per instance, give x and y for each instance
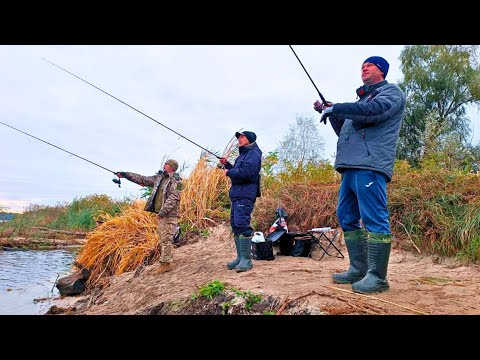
(302, 144)
(440, 82)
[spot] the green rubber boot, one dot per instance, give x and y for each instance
(379, 246)
(245, 252)
(231, 265)
(356, 242)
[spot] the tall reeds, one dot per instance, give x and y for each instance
(204, 200)
(120, 243)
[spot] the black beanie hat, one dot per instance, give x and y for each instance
(248, 134)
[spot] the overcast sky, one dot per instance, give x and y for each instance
(205, 93)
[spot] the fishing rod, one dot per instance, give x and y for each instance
(319, 93)
(131, 107)
(116, 181)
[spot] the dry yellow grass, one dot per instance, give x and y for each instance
(204, 196)
(121, 243)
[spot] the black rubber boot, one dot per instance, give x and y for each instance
(375, 281)
(231, 265)
(356, 242)
(245, 252)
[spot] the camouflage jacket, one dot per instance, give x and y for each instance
(170, 186)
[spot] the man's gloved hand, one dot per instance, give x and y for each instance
(223, 161)
(162, 213)
(121, 174)
(327, 112)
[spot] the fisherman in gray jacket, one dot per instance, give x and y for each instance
(368, 132)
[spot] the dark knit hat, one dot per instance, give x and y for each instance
(173, 164)
(379, 62)
(248, 134)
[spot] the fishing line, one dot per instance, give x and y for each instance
(131, 107)
(116, 181)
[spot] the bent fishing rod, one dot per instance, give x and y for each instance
(116, 181)
(131, 107)
(318, 91)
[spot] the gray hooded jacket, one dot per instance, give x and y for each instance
(368, 130)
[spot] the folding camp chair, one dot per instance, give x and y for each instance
(322, 240)
(319, 239)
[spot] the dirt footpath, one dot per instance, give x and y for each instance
(418, 284)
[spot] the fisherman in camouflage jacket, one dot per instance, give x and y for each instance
(164, 201)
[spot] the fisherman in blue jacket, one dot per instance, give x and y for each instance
(368, 132)
(245, 177)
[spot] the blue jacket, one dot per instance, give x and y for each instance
(245, 173)
(368, 130)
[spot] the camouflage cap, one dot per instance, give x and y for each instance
(173, 164)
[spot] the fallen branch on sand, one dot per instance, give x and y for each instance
(375, 298)
(287, 301)
(362, 308)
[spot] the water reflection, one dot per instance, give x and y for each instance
(26, 275)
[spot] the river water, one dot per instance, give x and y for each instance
(27, 278)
